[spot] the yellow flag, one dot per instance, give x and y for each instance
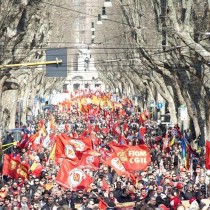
(52, 153)
(33, 166)
(172, 141)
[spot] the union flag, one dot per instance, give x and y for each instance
(89, 161)
(116, 164)
(72, 177)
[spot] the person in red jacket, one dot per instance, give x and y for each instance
(174, 199)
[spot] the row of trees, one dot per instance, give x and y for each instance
(161, 45)
(25, 31)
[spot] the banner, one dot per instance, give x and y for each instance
(14, 168)
(133, 158)
(207, 154)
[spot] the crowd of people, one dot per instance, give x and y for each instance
(167, 183)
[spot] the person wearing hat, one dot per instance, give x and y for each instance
(180, 191)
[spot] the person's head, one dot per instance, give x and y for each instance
(30, 176)
(111, 195)
(125, 191)
(68, 194)
(123, 178)
(190, 187)
(37, 196)
(91, 204)
(119, 185)
(143, 191)
(159, 189)
(152, 200)
(23, 190)
(24, 199)
(198, 195)
(92, 186)
(36, 206)
(131, 188)
(202, 178)
(171, 193)
(85, 199)
(20, 180)
(7, 200)
(80, 193)
(14, 185)
(36, 181)
(50, 200)
(58, 194)
(46, 195)
(105, 170)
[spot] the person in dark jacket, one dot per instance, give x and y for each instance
(124, 197)
(67, 200)
(50, 204)
(118, 190)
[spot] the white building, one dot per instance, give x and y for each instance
(84, 75)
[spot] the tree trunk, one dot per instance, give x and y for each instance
(3, 79)
(25, 100)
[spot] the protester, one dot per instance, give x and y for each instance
(96, 153)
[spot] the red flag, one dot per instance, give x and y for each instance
(104, 154)
(96, 129)
(80, 145)
(207, 154)
(102, 205)
(117, 148)
(64, 149)
(5, 169)
(72, 177)
(23, 142)
(135, 158)
(89, 161)
(116, 164)
(104, 185)
(37, 171)
(116, 129)
(15, 168)
(132, 157)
